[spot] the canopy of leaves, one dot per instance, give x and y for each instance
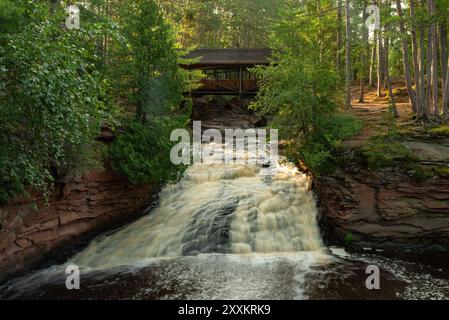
(300, 86)
(50, 104)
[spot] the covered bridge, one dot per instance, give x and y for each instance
(227, 71)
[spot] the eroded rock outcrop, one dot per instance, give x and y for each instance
(385, 208)
(29, 228)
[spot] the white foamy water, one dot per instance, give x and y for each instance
(217, 208)
(227, 231)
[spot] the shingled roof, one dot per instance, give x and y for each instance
(211, 57)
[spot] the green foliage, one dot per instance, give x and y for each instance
(318, 149)
(221, 23)
(57, 86)
(148, 77)
(423, 173)
(50, 106)
(440, 131)
(348, 239)
(384, 151)
(146, 72)
(17, 14)
(142, 151)
(301, 88)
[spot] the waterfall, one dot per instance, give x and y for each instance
(217, 208)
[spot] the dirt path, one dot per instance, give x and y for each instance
(374, 112)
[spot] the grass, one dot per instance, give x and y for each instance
(319, 149)
(442, 130)
(385, 151)
(421, 173)
(349, 238)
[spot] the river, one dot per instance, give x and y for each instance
(230, 231)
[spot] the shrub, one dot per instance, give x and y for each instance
(50, 105)
(142, 152)
(317, 150)
(383, 152)
(348, 239)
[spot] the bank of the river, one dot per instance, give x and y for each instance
(229, 232)
(393, 207)
(389, 192)
(33, 231)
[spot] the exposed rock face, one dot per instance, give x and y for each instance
(385, 208)
(79, 207)
(221, 114)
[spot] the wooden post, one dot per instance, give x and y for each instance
(240, 81)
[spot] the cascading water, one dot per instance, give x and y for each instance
(226, 231)
(218, 208)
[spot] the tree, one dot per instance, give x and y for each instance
(222, 23)
(434, 56)
(149, 74)
(372, 67)
(339, 34)
(149, 79)
(52, 101)
(348, 64)
(380, 61)
(405, 57)
(389, 86)
(363, 54)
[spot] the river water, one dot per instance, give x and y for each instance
(230, 231)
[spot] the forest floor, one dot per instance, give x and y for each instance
(374, 112)
(391, 185)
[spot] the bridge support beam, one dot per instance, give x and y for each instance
(240, 82)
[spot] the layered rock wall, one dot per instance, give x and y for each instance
(31, 228)
(385, 208)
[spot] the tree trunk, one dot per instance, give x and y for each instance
(348, 55)
(434, 61)
(434, 68)
(418, 98)
(389, 86)
(380, 63)
(423, 111)
(446, 93)
(405, 55)
(363, 54)
(429, 61)
(339, 36)
(443, 50)
(372, 67)
(386, 50)
(380, 58)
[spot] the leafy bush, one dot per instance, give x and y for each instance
(349, 238)
(317, 149)
(301, 89)
(50, 105)
(142, 152)
(383, 152)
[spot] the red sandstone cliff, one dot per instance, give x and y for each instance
(82, 206)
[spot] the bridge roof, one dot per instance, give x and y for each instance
(211, 57)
